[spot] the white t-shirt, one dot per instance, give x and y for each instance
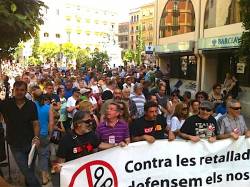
(131, 87)
(95, 89)
(175, 124)
(92, 100)
(71, 102)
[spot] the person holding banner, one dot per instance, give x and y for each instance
(232, 124)
(199, 126)
(151, 126)
(79, 142)
(113, 130)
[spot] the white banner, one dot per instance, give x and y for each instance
(224, 163)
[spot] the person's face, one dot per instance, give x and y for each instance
(151, 114)
(162, 91)
(154, 99)
(77, 95)
(200, 98)
(117, 95)
(217, 90)
(69, 85)
(49, 89)
(138, 91)
(195, 106)
(26, 79)
(205, 112)
(84, 125)
(125, 94)
(234, 110)
(112, 112)
(19, 92)
(62, 92)
(185, 109)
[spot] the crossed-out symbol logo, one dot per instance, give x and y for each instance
(96, 173)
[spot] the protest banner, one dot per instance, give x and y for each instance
(224, 163)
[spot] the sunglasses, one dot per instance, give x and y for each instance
(236, 108)
(205, 109)
(185, 108)
(88, 122)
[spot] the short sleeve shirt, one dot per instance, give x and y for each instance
(228, 124)
(19, 126)
(196, 126)
(155, 128)
(74, 146)
(115, 134)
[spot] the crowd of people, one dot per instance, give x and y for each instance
(68, 114)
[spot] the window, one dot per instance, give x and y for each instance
(58, 36)
(183, 67)
(57, 12)
(137, 17)
(220, 13)
(46, 35)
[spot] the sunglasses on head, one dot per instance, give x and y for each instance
(205, 109)
(236, 108)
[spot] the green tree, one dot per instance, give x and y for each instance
(19, 22)
(98, 60)
(69, 50)
(140, 45)
(49, 50)
(82, 57)
(128, 56)
(245, 38)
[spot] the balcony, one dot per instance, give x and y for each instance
(175, 27)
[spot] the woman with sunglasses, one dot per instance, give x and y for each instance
(199, 126)
(178, 118)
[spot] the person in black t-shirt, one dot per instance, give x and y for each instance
(79, 142)
(22, 129)
(200, 126)
(151, 126)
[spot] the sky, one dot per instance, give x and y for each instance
(122, 7)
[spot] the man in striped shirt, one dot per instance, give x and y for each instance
(139, 99)
(113, 130)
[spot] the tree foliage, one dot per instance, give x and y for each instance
(20, 19)
(129, 56)
(49, 50)
(69, 50)
(140, 45)
(245, 39)
(98, 60)
(82, 57)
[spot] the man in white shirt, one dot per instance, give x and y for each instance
(71, 106)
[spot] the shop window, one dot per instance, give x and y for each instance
(171, 21)
(222, 12)
(183, 67)
(229, 63)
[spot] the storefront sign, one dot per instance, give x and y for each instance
(224, 163)
(149, 49)
(175, 47)
(231, 41)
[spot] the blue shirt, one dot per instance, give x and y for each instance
(221, 109)
(68, 93)
(43, 118)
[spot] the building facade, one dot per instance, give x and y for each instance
(83, 25)
(198, 40)
(123, 30)
(134, 26)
